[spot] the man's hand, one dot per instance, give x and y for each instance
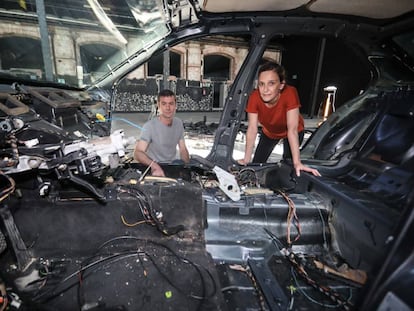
(242, 162)
(156, 170)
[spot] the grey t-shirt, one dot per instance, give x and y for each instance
(162, 139)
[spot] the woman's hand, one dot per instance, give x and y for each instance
(300, 167)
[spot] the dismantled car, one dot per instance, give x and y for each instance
(85, 227)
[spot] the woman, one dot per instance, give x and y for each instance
(276, 106)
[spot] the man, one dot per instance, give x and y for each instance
(161, 135)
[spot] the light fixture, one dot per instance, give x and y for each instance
(329, 103)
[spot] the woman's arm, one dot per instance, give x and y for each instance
(292, 117)
(250, 138)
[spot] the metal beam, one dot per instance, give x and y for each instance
(166, 69)
(314, 95)
(44, 40)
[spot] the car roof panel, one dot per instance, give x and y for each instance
(383, 9)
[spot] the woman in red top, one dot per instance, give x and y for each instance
(275, 105)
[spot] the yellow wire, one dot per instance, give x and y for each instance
(134, 224)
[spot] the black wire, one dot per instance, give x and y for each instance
(52, 293)
(314, 300)
(152, 214)
(185, 260)
(176, 287)
(68, 278)
(248, 176)
(274, 239)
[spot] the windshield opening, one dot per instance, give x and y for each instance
(200, 72)
(75, 42)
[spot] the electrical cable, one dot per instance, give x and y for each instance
(265, 215)
(148, 211)
(293, 260)
(313, 300)
(333, 295)
(133, 224)
(248, 272)
(3, 296)
(6, 191)
(275, 239)
(239, 288)
(92, 266)
(169, 250)
(325, 241)
(291, 218)
(245, 178)
(102, 118)
(54, 293)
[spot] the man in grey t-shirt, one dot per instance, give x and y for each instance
(161, 135)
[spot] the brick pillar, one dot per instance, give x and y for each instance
(193, 61)
(64, 53)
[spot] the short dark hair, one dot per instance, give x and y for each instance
(166, 93)
(273, 66)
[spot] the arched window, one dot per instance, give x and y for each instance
(216, 67)
(96, 55)
(21, 54)
(175, 64)
(156, 65)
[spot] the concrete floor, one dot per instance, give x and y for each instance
(201, 145)
(131, 122)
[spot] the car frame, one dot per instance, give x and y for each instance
(218, 235)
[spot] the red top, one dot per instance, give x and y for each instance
(273, 120)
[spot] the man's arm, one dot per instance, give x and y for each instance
(184, 155)
(141, 156)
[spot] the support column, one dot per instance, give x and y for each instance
(44, 40)
(314, 95)
(166, 69)
(193, 62)
(65, 56)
